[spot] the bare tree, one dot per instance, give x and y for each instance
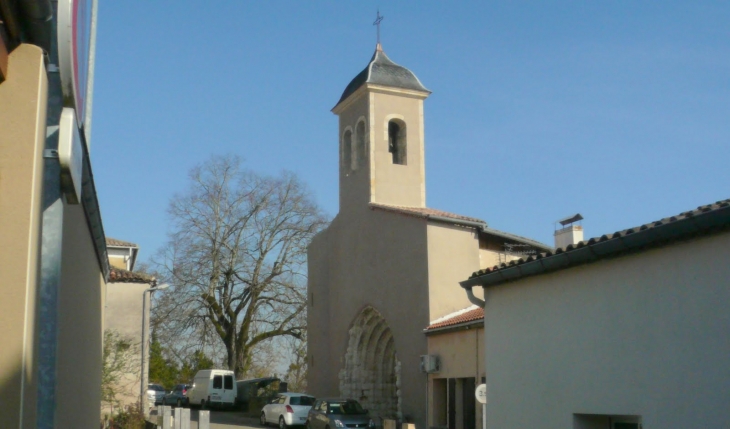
(236, 258)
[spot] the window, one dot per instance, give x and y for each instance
(347, 151)
(397, 141)
(301, 400)
(591, 421)
(360, 146)
(217, 382)
(228, 379)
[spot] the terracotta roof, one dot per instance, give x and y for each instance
(424, 212)
(469, 314)
(119, 243)
(117, 275)
(704, 219)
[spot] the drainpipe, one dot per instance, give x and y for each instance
(37, 22)
(473, 299)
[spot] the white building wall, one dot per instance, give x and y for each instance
(646, 334)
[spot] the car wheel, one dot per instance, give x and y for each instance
(282, 423)
(263, 419)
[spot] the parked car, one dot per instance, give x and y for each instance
(287, 409)
(338, 413)
(155, 393)
(177, 396)
(213, 388)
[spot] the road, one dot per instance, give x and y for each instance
(222, 420)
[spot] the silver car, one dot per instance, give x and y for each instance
(338, 413)
(155, 393)
(287, 409)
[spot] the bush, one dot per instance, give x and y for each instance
(131, 418)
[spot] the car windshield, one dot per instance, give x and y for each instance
(301, 400)
(346, 407)
(156, 387)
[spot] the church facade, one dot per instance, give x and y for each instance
(387, 264)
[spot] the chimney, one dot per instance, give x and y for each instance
(569, 232)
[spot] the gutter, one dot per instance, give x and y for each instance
(481, 226)
(703, 221)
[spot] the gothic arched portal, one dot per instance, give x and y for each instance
(372, 371)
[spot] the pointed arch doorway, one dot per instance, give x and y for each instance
(372, 371)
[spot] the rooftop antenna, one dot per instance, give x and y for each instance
(378, 20)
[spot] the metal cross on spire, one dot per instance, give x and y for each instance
(378, 20)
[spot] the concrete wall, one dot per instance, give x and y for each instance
(646, 334)
(22, 138)
(81, 300)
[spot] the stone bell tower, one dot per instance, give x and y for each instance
(381, 137)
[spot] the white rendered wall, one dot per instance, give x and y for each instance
(646, 334)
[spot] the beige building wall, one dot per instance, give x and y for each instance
(452, 251)
(461, 355)
(378, 259)
(123, 315)
(22, 138)
(397, 184)
(81, 296)
(644, 334)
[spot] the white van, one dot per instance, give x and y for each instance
(213, 388)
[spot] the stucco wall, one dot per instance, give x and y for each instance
(81, 299)
(461, 355)
(124, 315)
(355, 185)
(452, 251)
(394, 183)
(22, 137)
(645, 334)
(379, 259)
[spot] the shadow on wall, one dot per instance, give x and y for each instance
(10, 397)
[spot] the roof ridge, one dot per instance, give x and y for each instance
(644, 229)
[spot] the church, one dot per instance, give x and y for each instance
(387, 265)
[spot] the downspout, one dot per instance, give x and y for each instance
(37, 22)
(472, 298)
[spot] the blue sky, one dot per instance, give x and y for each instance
(617, 110)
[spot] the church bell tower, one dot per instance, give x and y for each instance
(381, 137)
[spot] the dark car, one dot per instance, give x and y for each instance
(177, 396)
(338, 413)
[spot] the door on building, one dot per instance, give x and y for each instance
(454, 403)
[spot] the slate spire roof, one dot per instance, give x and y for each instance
(381, 70)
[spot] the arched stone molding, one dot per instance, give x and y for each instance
(387, 119)
(371, 372)
(360, 144)
(347, 150)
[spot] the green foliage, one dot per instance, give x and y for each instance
(163, 370)
(195, 362)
